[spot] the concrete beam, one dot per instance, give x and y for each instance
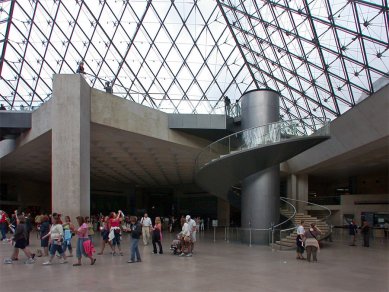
(362, 125)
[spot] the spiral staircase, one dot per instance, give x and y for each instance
(287, 236)
(244, 153)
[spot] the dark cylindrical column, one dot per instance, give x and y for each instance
(260, 191)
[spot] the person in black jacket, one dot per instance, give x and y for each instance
(20, 241)
(135, 231)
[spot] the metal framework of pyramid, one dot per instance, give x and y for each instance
(323, 56)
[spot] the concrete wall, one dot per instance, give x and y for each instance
(348, 206)
(196, 121)
(119, 113)
(15, 119)
(40, 124)
(370, 183)
(367, 122)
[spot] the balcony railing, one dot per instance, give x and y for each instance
(262, 135)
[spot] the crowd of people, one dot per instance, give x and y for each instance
(56, 232)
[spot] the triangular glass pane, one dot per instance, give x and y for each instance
(174, 60)
(195, 61)
(184, 42)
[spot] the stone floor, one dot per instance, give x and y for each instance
(215, 266)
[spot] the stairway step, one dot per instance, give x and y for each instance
(284, 244)
(289, 241)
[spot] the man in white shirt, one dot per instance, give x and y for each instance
(146, 226)
(300, 228)
(192, 230)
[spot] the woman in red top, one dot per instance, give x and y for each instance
(104, 234)
(114, 222)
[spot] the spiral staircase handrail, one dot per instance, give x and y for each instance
(293, 229)
(302, 201)
(313, 204)
(273, 229)
(261, 135)
(291, 217)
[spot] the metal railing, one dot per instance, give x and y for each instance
(273, 233)
(159, 100)
(262, 135)
(285, 232)
(237, 233)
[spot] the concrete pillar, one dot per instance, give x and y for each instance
(7, 145)
(223, 212)
(298, 190)
(71, 146)
(292, 186)
(302, 192)
(260, 191)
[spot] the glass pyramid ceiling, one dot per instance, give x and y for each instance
(185, 56)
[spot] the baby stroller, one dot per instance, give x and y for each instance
(175, 247)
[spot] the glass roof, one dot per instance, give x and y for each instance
(185, 56)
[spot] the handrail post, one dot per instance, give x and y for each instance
(214, 233)
(225, 233)
(280, 239)
(250, 236)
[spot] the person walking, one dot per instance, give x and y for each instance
(135, 231)
(44, 230)
(157, 236)
(311, 242)
(20, 242)
(104, 234)
(56, 239)
(146, 228)
(3, 225)
(82, 233)
(68, 228)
